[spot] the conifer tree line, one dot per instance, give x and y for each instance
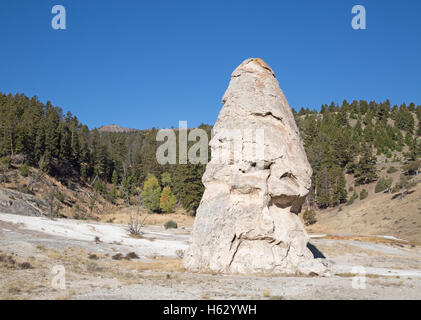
(338, 139)
(349, 138)
(63, 147)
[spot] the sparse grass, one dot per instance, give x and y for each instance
(41, 247)
(139, 236)
(205, 296)
(346, 275)
(54, 254)
(14, 290)
(368, 239)
(351, 275)
(392, 170)
(160, 265)
(92, 266)
(9, 262)
(154, 219)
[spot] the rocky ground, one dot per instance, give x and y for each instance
(101, 261)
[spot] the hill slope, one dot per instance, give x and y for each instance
(378, 214)
(114, 128)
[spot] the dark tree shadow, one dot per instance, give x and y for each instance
(316, 252)
(402, 194)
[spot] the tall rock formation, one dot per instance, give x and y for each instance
(255, 184)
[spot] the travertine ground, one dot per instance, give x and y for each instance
(31, 246)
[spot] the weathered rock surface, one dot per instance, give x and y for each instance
(247, 220)
(20, 203)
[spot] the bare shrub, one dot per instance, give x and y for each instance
(309, 217)
(136, 226)
(179, 253)
(52, 205)
(117, 256)
(25, 265)
(131, 255)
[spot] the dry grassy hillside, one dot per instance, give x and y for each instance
(29, 195)
(75, 201)
(378, 214)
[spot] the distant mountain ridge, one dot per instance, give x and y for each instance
(115, 128)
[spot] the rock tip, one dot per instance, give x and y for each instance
(254, 63)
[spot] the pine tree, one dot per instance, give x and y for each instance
(404, 120)
(408, 139)
(383, 111)
(187, 185)
(412, 162)
(365, 171)
(114, 179)
(166, 179)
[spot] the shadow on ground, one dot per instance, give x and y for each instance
(316, 252)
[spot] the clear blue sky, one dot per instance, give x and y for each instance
(152, 63)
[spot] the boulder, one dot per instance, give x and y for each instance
(255, 184)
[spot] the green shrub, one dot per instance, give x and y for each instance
(412, 167)
(309, 217)
(24, 170)
(352, 199)
(170, 225)
(363, 194)
(391, 170)
(101, 188)
(383, 184)
(405, 182)
(351, 188)
(5, 163)
(350, 167)
(110, 196)
(79, 214)
(395, 189)
(59, 196)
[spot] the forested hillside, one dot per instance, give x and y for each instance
(339, 140)
(350, 138)
(117, 164)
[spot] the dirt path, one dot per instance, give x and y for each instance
(97, 268)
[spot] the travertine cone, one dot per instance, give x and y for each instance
(247, 220)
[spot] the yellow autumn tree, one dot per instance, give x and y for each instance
(167, 200)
